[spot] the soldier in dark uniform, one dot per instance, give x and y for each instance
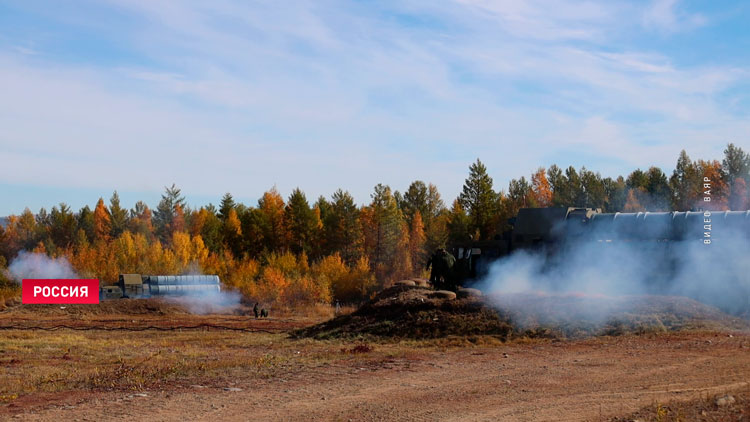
(255, 310)
(449, 261)
(433, 264)
(442, 265)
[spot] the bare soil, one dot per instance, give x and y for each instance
(594, 379)
(396, 358)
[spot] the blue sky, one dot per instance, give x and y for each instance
(239, 96)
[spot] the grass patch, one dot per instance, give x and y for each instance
(731, 406)
(58, 361)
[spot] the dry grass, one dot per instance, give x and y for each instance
(540, 315)
(316, 311)
(9, 296)
(704, 408)
(64, 360)
(58, 361)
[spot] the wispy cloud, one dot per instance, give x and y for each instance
(239, 96)
(666, 15)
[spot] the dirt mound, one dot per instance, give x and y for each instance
(414, 312)
(106, 307)
(404, 311)
(580, 315)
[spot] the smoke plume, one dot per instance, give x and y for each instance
(209, 302)
(610, 273)
(37, 265)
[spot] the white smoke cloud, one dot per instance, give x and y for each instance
(617, 276)
(208, 302)
(37, 265)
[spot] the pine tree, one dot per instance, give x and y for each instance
(736, 169)
(323, 207)
(209, 229)
(302, 222)
(63, 226)
(342, 229)
(480, 200)
(414, 200)
(458, 224)
(384, 232)
(736, 163)
(557, 184)
(575, 193)
(118, 215)
(166, 212)
(227, 204)
(26, 230)
(435, 205)
(685, 184)
(141, 220)
(85, 219)
(658, 189)
(520, 195)
(616, 193)
(738, 201)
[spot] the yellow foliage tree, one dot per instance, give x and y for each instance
(199, 250)
(270, 287)
(271, 207)
(102, 223)
(232, 231)
(182, 248)
(417, 241)
(285, 262)
(126, 256)
(346, 284)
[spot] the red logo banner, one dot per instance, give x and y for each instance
(59, 291)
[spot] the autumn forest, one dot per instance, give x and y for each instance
(298, 251)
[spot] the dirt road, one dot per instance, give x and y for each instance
(594, 379)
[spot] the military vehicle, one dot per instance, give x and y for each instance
(143, 286)
(549, 230)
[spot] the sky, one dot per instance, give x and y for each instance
(241, 96)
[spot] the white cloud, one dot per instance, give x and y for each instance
(665, 15)
(238, 97)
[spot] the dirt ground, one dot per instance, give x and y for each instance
(594, 379)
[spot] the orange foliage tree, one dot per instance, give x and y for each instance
(633, 204)
(541, 188)
(713, 185)
(102, 224)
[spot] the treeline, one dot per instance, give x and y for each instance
(295, 251)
